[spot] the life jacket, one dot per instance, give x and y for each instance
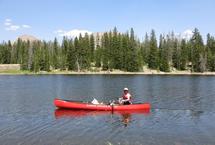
(126, 96)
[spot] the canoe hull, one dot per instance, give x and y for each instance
(100, 107)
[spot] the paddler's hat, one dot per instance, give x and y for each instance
(125, 89)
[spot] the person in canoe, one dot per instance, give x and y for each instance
(126, 97)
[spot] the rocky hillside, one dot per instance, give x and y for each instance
(27, 37)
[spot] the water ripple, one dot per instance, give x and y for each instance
(183, 110)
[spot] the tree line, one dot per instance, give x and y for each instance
(115, 50)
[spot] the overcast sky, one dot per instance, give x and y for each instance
(47, 19)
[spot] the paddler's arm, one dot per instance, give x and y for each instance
(128, 99)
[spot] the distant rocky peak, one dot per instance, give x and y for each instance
(27, 38)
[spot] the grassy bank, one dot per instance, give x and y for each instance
(115, 72)
(15, 72)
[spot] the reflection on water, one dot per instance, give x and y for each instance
(126, 118)
(183, 110)
(125, 115)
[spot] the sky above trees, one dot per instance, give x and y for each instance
(49, 19)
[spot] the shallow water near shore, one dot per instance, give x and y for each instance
(183, 110)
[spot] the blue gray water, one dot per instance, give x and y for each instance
(183, 110)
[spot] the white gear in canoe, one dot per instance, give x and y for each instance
(95, 101)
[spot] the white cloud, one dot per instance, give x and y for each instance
(12, 28)
(26, 26)
(59, 31)
(72, 33)
(8, 20)
(187, 34)
(7, 23)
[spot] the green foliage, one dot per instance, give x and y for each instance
(210, 49)
(92, 47)
(64, 54)
(46, 57)
(105, 52)
(176, 55)
(36, 57)
(124, 47)
(71, 56)
(83, 52)
(132, 54)
(98, 56)
(197, 52)
(183, 55)
(55, 55)
(163, 55)
(153, 52)
(144, 49)
(115, 50)
(5, 53)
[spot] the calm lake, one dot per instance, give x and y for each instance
(183, 110)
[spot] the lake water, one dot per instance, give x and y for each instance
(183, 110)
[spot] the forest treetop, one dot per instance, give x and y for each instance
(113, 50)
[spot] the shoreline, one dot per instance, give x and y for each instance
(185, 73)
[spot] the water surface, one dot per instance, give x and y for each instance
(183, 110)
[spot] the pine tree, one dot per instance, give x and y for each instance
(197, 54)
(153, 53)
(2, 56)
(145, 49)
(210, 49)
(46, 57)
(132, 54)
(115, 46)
(163, 55)
(77, 54)
(36, 57)
(125, 48)
(105, 52)
(55, 55)
(72, 56)
(64, 53)
(92, 48)
(139, 56)
(88, 50)
(184, 55)
(84, 52)
(8, 52)
(170, 44)
(19, 51)
(25, 55)
(110, 51)
(98, 56)
(176, 55)
(41, 52)
(5, 53)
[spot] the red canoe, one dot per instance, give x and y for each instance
(102, 107)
